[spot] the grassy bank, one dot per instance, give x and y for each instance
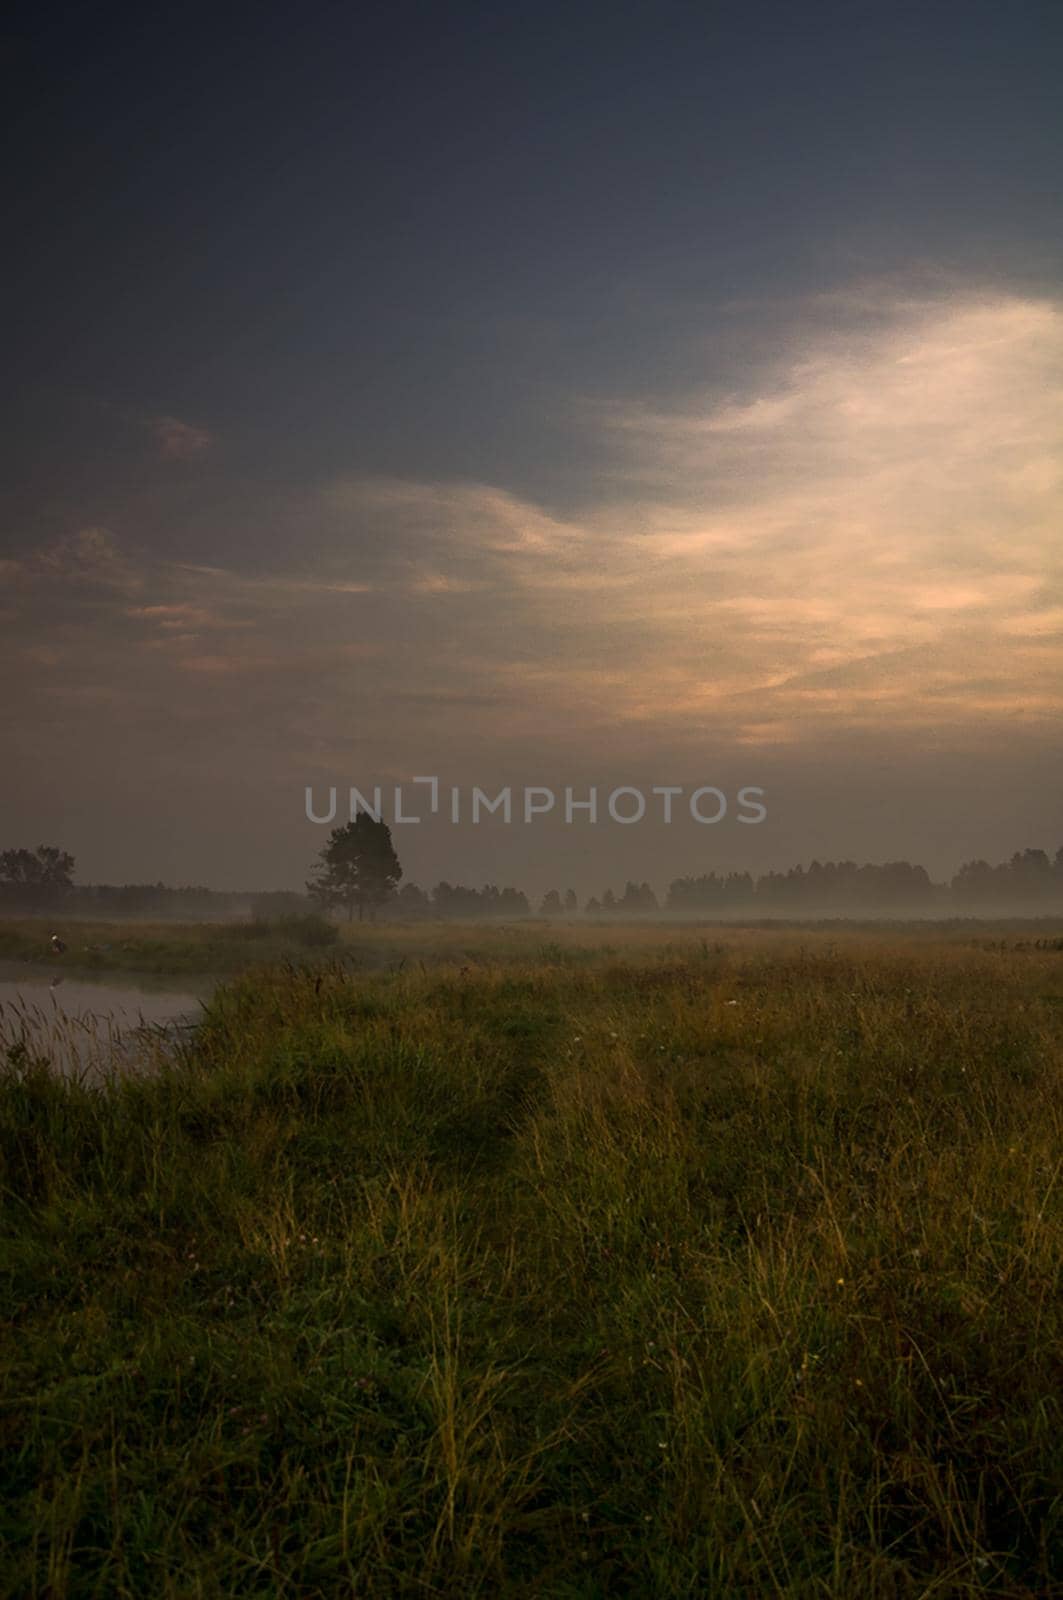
(166, 949)
(724, 1267)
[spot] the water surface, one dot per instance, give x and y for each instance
(84, 1026)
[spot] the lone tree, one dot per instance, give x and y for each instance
(359, 867)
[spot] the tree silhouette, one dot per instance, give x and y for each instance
(455, 900)
(638, 897)
(47, 867)
(359, 867)
(413, 902)
(36, 877)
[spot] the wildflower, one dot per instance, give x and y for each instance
(841, 1281)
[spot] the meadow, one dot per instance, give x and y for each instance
(560, 1261)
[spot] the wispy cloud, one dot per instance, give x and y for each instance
(89, 559)
(183, 615)
(179, 441)
(278, 583)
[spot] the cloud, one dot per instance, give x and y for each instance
(278, 583)
(179, 441)
(886, 497)
(178, 617)
(89, 560)
(861, 539)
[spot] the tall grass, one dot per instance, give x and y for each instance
(730, 1269)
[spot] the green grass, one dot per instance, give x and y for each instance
(722, 1265)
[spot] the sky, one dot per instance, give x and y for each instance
(550, 396)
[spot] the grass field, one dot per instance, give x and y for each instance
(560, 1262)
(175, 949)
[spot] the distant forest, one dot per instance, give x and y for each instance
(42, 881)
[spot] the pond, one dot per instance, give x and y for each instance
(86, 1027)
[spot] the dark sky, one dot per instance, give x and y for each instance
(555, 393)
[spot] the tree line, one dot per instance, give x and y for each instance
(358, 867)
(42, 880)
(358, 872)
